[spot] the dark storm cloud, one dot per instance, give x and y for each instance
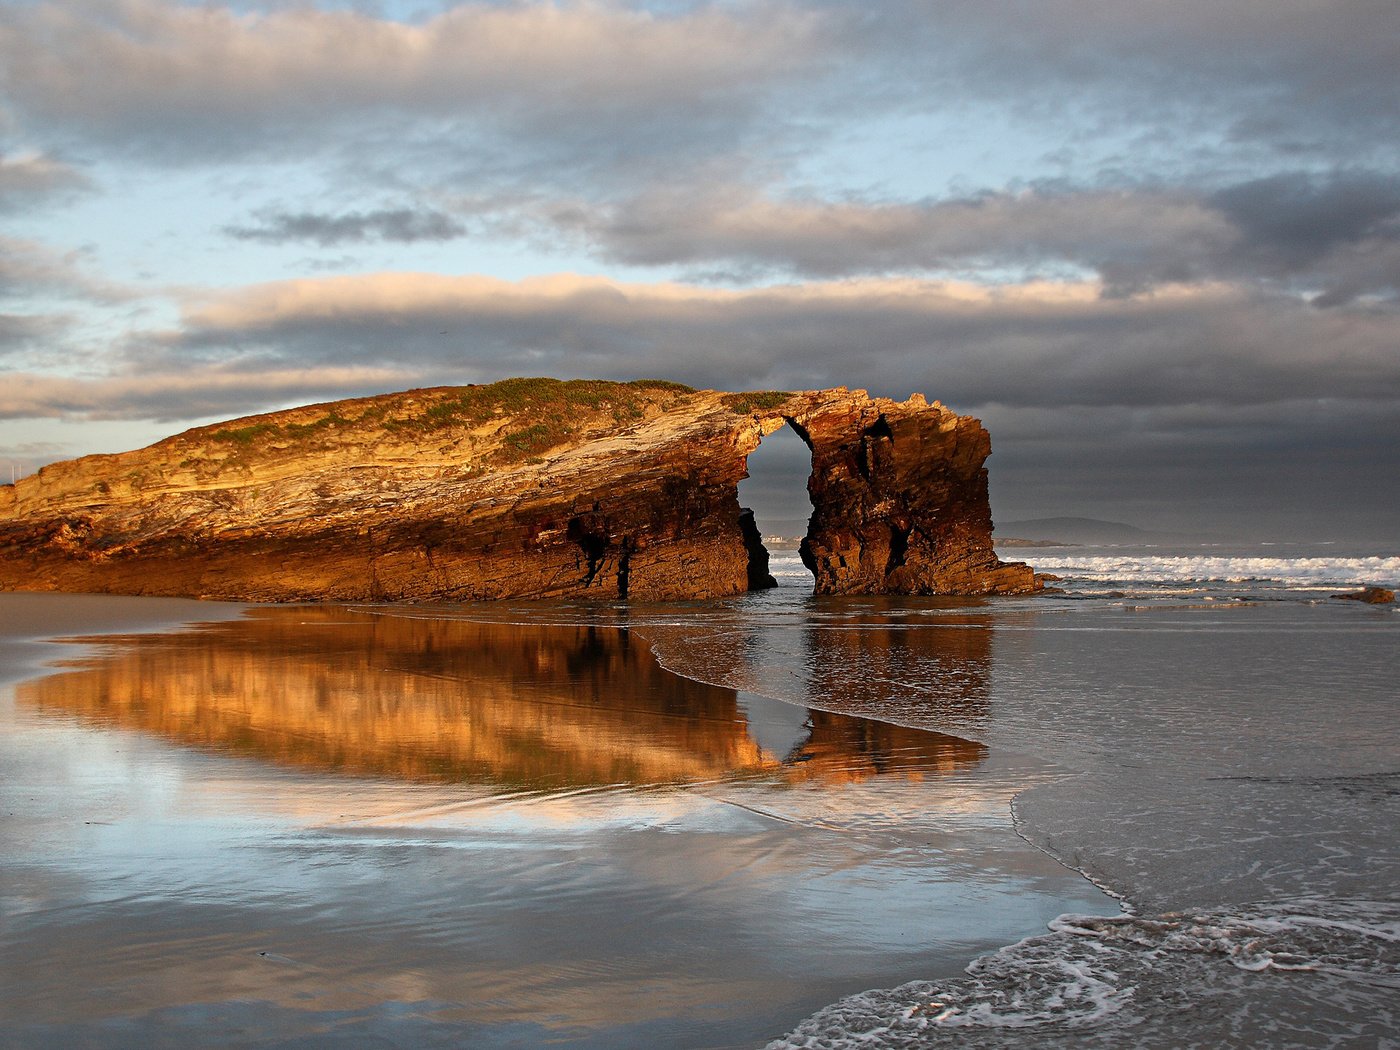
(1342, 231)
(401, 225)
(1299, 217)
(1292, 470)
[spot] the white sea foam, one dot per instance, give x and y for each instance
(1096, 981)
(1301, 572)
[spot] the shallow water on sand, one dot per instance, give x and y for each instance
(491, 827)
(508, 825)
(1238, 754)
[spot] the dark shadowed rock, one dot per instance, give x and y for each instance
(1370, 595)
(526, 488)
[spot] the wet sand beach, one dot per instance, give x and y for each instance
(316, 825)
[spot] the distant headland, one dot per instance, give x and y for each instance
(526, 488)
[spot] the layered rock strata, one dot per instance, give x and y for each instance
(525, 489)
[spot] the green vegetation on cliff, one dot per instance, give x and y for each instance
(537, 414)
(756, 400)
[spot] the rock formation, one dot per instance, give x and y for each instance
(526, 488)
(1370, 595)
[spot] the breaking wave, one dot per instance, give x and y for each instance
(1207, 572)
(1331, 571)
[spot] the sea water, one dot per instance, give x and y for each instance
(857, 802)
(1235, 737)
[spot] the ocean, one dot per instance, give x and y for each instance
(1235, 742)
(1158, 807)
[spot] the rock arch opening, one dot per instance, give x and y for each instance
(775, 491)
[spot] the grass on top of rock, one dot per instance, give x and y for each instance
(755, 400)
(246, 435)
(548, 405)
(548, 410)
(474, 405)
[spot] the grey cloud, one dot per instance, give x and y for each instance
(402, 225)
(1047, 345)
(28, 267)
(175, 80)
(588, 100)
(187, 393)
(33, 178)
(1291, 76)
(1132, 237)
(25, 333)
(1342, 234)
(1301, 216)
(1291, 470)
(1335, 236)
(1145, 408)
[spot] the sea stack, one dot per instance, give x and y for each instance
(527, 488)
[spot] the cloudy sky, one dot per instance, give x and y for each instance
(1155, 247)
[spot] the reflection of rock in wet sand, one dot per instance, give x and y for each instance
(444, 699)
(938, 667)
(843, 748)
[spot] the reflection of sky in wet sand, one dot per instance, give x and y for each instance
(446, 832)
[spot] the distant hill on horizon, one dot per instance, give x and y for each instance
(1076, 531)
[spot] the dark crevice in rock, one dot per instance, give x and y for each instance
(759, 576)
(593, 545)
(899, 547)
(870, 439)
(624, 566)
(880, 429)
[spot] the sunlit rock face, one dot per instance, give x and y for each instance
(900, 501)
(521, 489)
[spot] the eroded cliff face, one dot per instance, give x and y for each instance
(526, 488)
(900, 501)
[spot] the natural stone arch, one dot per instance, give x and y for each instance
(523, 489)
